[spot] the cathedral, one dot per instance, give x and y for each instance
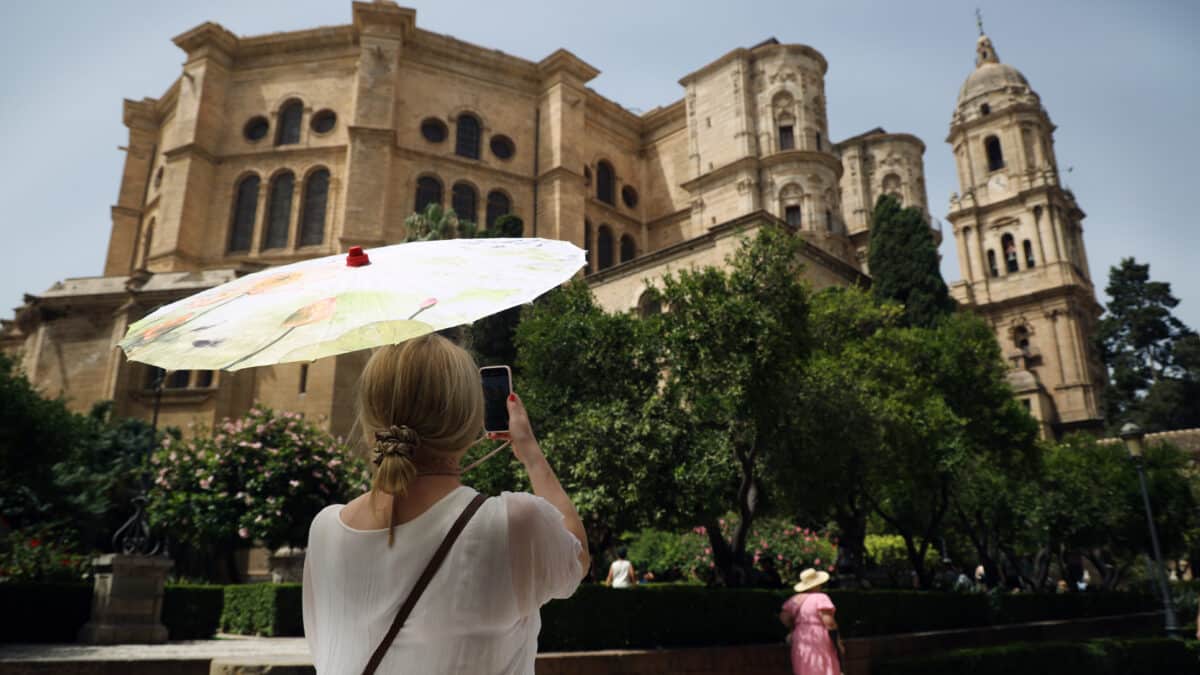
(275, 148)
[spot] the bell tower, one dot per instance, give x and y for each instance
(1020, 245)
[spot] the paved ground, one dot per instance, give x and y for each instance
(225, 646)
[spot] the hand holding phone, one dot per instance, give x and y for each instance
(497, 386)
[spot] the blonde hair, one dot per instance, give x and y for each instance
(430, 385)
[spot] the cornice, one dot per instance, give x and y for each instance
(563, 61)
(869, 138)
(723, 171)
(1009, 111)
(207, 36)
(763, 49)
(611, 213)
(384, 19)
(190, 149)
(143, 114)
(827, 159)
(448, 54)
(461, 163)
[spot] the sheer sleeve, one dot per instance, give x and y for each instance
(543, 553)
(309, 607)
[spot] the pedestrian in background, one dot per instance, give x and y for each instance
(816, 646)
(621, 573)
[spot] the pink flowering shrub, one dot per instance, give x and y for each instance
(789, 548)
(261, 477)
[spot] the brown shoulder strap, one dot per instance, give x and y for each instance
(431, 569)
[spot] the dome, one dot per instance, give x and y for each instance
(989, 74)
(991, 77)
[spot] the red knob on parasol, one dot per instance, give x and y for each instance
(356, 257)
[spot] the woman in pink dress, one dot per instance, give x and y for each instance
(814, 637)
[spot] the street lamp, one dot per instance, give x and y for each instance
(1132, 435)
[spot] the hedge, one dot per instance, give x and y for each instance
(273, 610)
(680, 616)
(594, 618)
(43, 612)
(1150, 656)
(192, 611)
(1028, 607)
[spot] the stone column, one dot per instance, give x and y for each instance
(127, 600)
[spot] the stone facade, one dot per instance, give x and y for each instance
(276, 148)
(1020, 245)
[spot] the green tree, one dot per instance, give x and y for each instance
(1088, 502)
(437, 222)
(904, 263)
(103, 474)
(735, 342)
(36, 434)
(588, 378)
(1153, 359)
(898, 417)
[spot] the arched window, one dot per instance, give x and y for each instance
(279, 211)
(289, 123)
(817, 136)
(498, 204)
(828, 220)
(204, 379)
(891, 186)
(429, 191)
(1029, 261)
(1021, 337)
(650, 303)
(787, 133)
(587, 246)
(628, 248)
(178, 379)
(465, 202)
(316, 198)
(1010, 252)
(991, 255)
(467, 136)
(604, 248)
(790, 200)
(245, 209)
(995, 156)
(146, 243)
(605, 183)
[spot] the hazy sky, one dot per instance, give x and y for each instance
(1118, 78)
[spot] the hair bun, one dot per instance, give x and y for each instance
(396, 441)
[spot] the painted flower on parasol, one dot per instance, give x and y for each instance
(338, 304)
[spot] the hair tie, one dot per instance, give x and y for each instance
(397, 441)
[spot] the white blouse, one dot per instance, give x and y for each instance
(479, 614)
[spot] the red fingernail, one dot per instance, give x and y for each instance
(512, 397)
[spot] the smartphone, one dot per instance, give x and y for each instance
(497, 385)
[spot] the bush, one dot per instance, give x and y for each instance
(41, 612)
(880, 612)
(773, 543)
(1151, 656)
(1027, 607)
(667, 555)
(40, 556)
(888, 553)
(273, 610)
(262, 477)
(192, 611)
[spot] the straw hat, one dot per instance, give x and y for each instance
(809, 579)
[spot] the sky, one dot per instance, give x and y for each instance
(1119, 79)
